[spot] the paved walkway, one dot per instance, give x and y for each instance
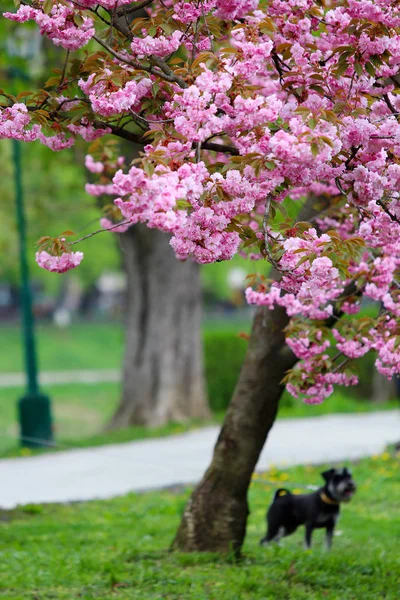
(109, 471)
(61, 377)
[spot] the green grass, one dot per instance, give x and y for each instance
(118, 549)
(81, 346)
(81, 412)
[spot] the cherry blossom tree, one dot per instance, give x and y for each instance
(248, 112)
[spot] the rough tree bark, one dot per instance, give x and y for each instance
(163, 367)
(215, 517)
(216, 514)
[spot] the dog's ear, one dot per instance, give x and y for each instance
(327, 475)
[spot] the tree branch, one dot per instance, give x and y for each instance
(387, 211)
(165, 73)
(389, 104)
(138, 139)
(127, 11)
(89, 235)
(268, 252)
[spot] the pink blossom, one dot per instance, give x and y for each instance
(87, 131)
(15, 124)
(188, 12)
(158, 46)
(59, 264)
(92, 165)
(235, 9)
(59, 25)
(56, 142)
(107, 103)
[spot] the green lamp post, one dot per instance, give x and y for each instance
(34, 408)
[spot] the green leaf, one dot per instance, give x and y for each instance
(314, 149)
(78, 20)
(47, 6)
(358, 69)
(342, 68)
(312, 122)
(52, 82)
(339, 106)
(302, 261)
(317, 88)
(369, 67)
(41, 241)
(182, 204)
(326, 140)
(249, 242)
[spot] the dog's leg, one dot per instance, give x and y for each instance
(329, 534)
(281, 533)
(273, 535)
(307, 541)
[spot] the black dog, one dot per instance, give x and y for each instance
(316, 510)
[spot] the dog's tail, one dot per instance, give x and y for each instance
(282, 492)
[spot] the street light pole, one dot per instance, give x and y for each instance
(34, 408)
(25, 293)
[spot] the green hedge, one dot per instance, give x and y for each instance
(224, 352)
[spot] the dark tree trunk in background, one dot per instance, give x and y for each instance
(163, 367)
(216, 514)
(382, 389)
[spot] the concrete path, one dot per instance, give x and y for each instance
(61, 377)
(110, 471)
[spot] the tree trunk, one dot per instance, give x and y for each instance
(215, 516)
(382, 389)
(163, 367)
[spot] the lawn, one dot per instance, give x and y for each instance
(118, 549)
(86, 345)
(81, 346)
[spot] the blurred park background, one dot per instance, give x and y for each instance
(79, 316)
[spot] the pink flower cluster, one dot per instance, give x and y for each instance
(59, 26)
(107, 100)
(235, 9)
(108, 4)
(310, 286)
(156, 46)
(188, 12)
(59, 264)
(92, 165)
(16, 123)
(156, 201)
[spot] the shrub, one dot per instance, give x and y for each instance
(224, 352)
